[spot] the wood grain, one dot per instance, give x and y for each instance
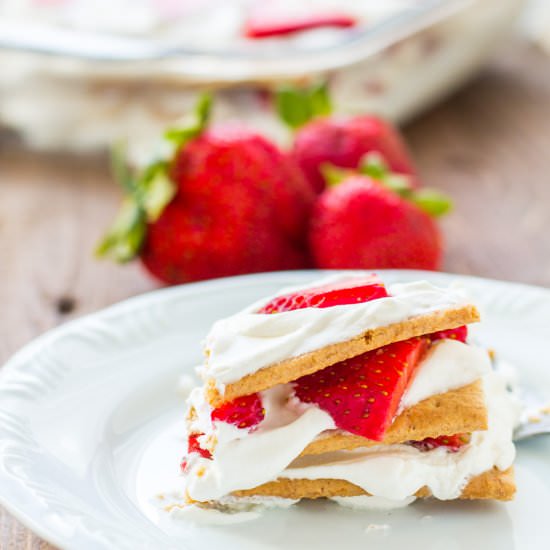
(488, 146)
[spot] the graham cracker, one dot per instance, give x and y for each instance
(493, 484)
(457, 411)
(296, 367)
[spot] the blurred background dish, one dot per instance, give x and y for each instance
(392, 58)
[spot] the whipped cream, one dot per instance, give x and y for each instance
(449, 364)
(249, 341)
(244, 459)
(398, 471)
(365, 502)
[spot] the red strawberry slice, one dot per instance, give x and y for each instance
(362, 393)
(265, 26)
(363, 289)
(452, 442)
(243, 412)
(194, 446)
(459, 333)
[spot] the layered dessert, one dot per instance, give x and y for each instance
(368, 394)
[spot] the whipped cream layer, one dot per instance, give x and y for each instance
(449, 364)
(243, 459)
(397, 471)
(247, 342)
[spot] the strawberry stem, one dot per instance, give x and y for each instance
(431, 201)
(147, 192)
(297, 106)
(195, 123)
(373, 165)
(332, 174)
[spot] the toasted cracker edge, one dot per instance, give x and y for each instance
(461, 410)
(493, 484)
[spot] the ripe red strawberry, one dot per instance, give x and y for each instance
(452, 442)
(243, 412)
(361, 289)
(339, 141)
(343, 142)
(362, 393)
(231, 167)
(230, 203)
(193, 446)
(361, 224)
(459, 333)
(199, 239)
(264, 25)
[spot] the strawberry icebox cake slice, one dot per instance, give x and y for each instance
(367, 394)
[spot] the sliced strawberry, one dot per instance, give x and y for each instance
(362, 393)
(453, 442)
(265, 25)
(362, 289)
(243, 412)
(459, 333)
(194, 446)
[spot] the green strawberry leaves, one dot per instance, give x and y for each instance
(149, 191)
(147, 194)
(195, 124)
(334, 175)
(125, 237)
(431, 201)
(157, 190)
(297, 106)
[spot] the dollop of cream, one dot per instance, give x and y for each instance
(249, 341)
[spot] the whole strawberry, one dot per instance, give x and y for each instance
(226, 201)
(340, 141)
(363, 223)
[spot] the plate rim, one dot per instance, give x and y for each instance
(166, 292)
(12, 499)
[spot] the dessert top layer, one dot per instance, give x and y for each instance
(249, 341)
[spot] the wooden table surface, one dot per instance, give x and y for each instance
(488, 146)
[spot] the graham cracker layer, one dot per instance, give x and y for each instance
(493, 484)
(296, 367)
(457, 411)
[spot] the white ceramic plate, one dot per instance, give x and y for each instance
(89, 416)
